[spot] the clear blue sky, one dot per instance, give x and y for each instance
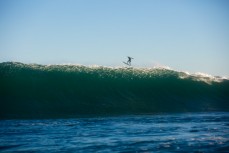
(189, 35)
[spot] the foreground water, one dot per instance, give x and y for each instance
(192, 132)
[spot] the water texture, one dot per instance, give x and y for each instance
(188, 132)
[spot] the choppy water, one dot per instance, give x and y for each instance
(192, 132)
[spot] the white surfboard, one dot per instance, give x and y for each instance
(126, 63)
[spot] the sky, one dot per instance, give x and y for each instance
(185, 35)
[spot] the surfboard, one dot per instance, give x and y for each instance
(126, 63)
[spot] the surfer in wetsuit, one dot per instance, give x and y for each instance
(129, 60)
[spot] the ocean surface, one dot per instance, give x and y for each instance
(185, 132)
(76, 108)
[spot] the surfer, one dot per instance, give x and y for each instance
(129, 60)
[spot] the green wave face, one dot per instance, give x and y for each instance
(42, 91)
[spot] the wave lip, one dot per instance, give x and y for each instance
(33, 90)
(203, 77)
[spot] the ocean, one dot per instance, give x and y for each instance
(76, 108)
(184, 132)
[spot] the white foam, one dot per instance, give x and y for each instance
(198, 76)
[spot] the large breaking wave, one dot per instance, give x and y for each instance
(36, 91)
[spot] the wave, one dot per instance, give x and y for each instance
(36, 91)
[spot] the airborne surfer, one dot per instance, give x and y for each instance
(129, 60)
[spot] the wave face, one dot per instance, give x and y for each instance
(36, 91)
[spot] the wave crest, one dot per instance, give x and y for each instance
(32, 90)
